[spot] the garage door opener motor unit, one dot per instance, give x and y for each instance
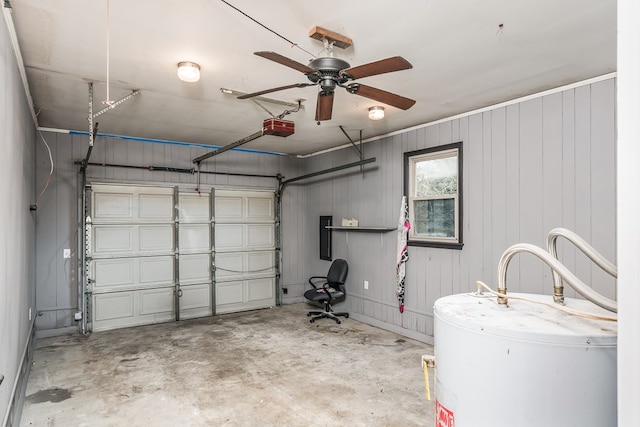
(278, 127)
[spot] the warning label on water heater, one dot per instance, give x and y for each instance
(444, 417)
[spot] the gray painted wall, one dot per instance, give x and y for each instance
(528, 167)
(18, 224)
(57, 278)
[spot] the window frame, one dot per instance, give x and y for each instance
(434, 153)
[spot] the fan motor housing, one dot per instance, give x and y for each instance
(328, 64)
(278, 127)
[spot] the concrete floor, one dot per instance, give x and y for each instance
(268, 367)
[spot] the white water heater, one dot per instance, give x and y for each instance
(525, 365)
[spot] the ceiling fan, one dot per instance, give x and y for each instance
(329, 72)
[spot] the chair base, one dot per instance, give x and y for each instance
(327, 313)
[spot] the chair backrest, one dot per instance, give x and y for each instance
(337, 274)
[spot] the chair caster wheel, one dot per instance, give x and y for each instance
(338, 322)
(346, 316)
(312, 320)
(308, 314)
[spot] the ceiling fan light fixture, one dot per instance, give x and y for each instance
(376, 113)
(188, 71)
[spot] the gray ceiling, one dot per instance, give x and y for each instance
(461, 60)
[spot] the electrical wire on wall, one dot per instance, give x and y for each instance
(46, 184)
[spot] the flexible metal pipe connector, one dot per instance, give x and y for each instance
(586, 248)
(555, 266)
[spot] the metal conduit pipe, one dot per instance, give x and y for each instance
(190, 171)
(586, 248)
(556, 266)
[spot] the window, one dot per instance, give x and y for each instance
(433, 185)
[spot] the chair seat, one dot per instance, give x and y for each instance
(320, 295)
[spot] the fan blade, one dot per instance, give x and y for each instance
(276, 57)
(388, 65)
(381, 95)
(275, 89)
(324, 106)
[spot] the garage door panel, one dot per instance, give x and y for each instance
(155, 301)
(128, 203)
(195, 300)
(128, 272)
(244, 236)
(194, 238)
(229, 236)
(259, 208)
(113, 272)
(245, 295)
(113, 306)
(155, 207)
(260, 289)
(260, 235)
(229, 264)
(113, 239)
(118, 240)
(109, 206)
(229, 207)
(259, 262)
(229, 293)
(156, 238)
(194, 207)
(156, 270)
(123, 309)
(194, 268)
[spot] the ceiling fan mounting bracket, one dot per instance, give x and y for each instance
(338, 40)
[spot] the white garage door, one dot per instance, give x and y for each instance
(131, 272)
(147, 266)
(195, 255)
(244, 250)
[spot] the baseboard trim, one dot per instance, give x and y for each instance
(392, 328)
(69, 330)
(14, 411)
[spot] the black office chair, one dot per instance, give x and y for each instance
(327, 290)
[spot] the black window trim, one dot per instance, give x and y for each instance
(407, 156)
